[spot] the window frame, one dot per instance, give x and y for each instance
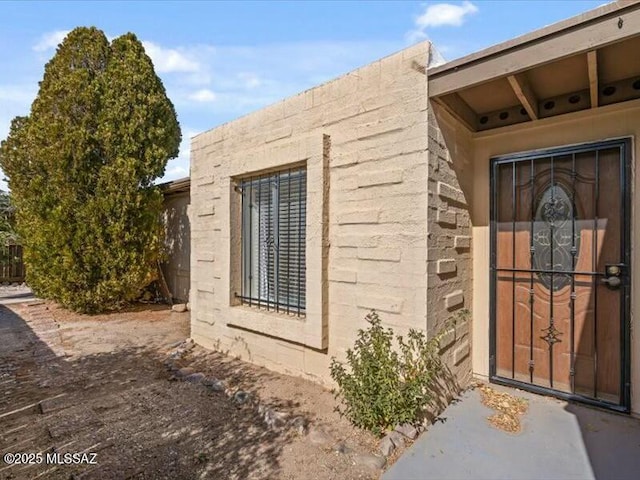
(312, 151)
(269, 268)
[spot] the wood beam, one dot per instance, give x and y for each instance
(592, 61)
(525, 94)
(590, 35)
(456, 106)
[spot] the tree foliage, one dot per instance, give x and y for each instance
(8, 235)
(81, 168)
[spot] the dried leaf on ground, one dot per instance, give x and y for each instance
(509, 408)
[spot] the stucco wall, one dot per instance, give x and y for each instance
(363, 138)
(621, 120)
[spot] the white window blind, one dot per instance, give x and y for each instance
(274, 209)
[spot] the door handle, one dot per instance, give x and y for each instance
(613, 275)
(612, 282)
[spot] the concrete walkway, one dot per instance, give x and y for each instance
(558, 441)
(15, 294)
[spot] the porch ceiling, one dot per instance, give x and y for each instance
(585, 62)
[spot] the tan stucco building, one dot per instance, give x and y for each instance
(501, 184)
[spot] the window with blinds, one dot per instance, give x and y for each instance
(274, 210)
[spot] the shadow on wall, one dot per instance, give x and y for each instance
(445, 390)
(176, 267)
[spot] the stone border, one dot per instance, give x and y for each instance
(279, 421)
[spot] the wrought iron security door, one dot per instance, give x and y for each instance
(560, 272)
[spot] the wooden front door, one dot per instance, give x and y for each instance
(560, 272)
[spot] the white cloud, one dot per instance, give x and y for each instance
(179, 167)
(203, 96)
(176, 169)
(50, 40)
(414, 36)
(445, 14)
(276, 71)
(250, 80)
(440, 15)
(168, 60)
(213, 84)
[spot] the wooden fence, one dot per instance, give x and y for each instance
(11, 264)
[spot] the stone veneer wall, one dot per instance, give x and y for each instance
(449, 293)
(363, 138)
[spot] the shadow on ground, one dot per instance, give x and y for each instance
(558, 441)
(611, 442)
(123, 406)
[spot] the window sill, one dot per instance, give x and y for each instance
(290, 327)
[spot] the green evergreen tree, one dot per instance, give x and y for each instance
(81, 168)
(8, 235)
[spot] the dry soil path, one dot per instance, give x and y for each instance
(99, 384)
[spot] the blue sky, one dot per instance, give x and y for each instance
(220, 60)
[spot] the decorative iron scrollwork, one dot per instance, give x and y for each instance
(555, 210)
(555, 244)
(552, 335)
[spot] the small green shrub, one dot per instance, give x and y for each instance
(385, 386)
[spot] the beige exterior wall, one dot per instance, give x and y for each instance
(365, 141)
(621, 120)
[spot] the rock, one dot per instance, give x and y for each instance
(53, 404)
(184, 372)
(407, 430)
(341, 447)
(168, 364)
(194, 378)
(397, 438)
(275, 419)
(175, 344)
(177, 354)
(386, 446)
(217, 386)
(372, 462)
(300, 424)
(188, 306)
(240, 397)
(188, 346)
(179, 307)
(319, 437)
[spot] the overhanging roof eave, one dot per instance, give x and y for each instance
(590, 30)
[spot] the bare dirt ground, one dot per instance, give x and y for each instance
(100, 384)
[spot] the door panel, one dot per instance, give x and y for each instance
(559, 222)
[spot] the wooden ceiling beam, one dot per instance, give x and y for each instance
(523, 91)
(458, 108)
(592, 63)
